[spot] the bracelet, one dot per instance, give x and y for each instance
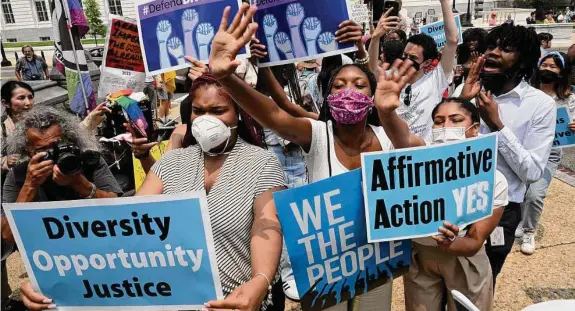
(93, 193)
(362, 61)
(267, 279)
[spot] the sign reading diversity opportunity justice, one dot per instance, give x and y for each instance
(437, 32)
(152, 253)
(409, 193)
(324, 231)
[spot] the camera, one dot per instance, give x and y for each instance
(66, 155)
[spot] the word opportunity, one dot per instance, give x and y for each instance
(415, 191)
(116, 252)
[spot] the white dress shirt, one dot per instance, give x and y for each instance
(529, 116)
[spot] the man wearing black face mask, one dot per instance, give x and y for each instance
(523, 116)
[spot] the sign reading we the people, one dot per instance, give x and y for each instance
(152, 253)
(409, 193)
(564, 137)
(324, 231)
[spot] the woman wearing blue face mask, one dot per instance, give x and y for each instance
(348, 123)
(554, 79)
(456, 259)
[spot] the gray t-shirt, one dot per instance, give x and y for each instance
(101, 177)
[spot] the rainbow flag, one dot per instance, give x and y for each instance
(64, 52)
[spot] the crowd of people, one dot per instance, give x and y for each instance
(247, 132)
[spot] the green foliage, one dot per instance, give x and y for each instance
(94, 18)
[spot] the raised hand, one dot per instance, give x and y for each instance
(295, 15)
(230, 40)
(204, 36)
(349, 32)
(385, 24)
(190, 20)
(327, 42)
(283, 43)
(257, 50)
(311, 30)
(391, 82)
(198, 68)
(176, 49)
(163, 32)
(472, 84)
(270, 29)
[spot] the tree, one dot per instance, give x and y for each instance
(94, 19)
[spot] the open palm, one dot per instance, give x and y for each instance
(391, 82)
(230, 40)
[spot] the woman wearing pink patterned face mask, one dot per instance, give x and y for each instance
(348, 123)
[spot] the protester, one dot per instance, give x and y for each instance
(30, 67)
(440, 262)
(561, 17)
(340, 136)
(545, 40)
(493, 19)
(509, 20)
(568, 15)
(392, 50)
(554, 79)
(42, 178)
(549, 18)
(523, 116)
(531, 19)
(239, 179)
(426, 90)
(396, 34)
(473, 46)
(385, 25)
(17, 97)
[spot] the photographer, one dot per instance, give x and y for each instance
(30, 67)
(62, 163)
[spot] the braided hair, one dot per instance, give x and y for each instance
(325, 113)
(247, 129)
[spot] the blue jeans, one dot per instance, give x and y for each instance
(293, 165)
(536, 193)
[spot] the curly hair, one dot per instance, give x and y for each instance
(42, 117)
(472, 34)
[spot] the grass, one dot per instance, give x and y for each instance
(46, 43)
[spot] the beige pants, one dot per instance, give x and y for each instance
(433, 273)
(379, 299)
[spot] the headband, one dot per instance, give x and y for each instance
(550, 54)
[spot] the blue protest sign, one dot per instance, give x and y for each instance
(409, 193)
(324, 231)
(298, 30)
(437, 32)
(564, 137)
(140, 253)
(170, 30)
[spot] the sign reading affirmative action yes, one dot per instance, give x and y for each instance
(153, 252)
(409, 193)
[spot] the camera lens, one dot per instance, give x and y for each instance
(69, 163)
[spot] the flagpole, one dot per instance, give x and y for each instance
(69, 26)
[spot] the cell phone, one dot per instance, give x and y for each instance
(391, 4)
(136, 129)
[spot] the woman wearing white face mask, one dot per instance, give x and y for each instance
(239, 179)
(456, 259)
